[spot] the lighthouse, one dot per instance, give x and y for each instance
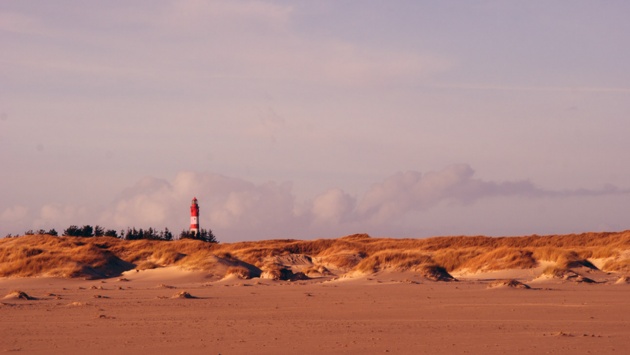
(194, 217)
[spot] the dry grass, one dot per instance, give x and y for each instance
(317, 271)
(618, 265)
(394, 260)
(511, 283)
(275, 271)
(343, 261)
(453, 259)
(58, 256)
(39, 255)
(436, 273)
(240, 271)
(183, 295)
(501, 258)
(147, 265)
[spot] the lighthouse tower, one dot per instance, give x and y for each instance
(194, 216)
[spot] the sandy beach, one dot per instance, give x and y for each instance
(385, 313)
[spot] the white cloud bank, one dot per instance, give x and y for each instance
(236, 209)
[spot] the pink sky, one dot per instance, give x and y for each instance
(304, 119)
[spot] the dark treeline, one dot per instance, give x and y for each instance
(41, 231)
(150, 233)
(129, 234)
(204, 234)
(88, 231)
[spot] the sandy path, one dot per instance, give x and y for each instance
(357, 316)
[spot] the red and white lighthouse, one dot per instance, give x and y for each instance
(194, 216)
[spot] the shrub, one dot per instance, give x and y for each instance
(203, 235)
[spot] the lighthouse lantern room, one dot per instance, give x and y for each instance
(194, 216)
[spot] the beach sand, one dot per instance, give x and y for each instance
(398, 313)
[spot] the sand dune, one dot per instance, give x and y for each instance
(508, 283)
(623, 280)
(434, 258)
(18, 295)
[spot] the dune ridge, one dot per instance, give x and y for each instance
(288, 259)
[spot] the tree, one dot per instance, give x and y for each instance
(52, 232)
(87, 231)
(167, 234)
(132, 234)
(204, 235)
(98, 231)
(111, 233)
(72, 231)
(149, 234)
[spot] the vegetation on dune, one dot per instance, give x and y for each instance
(394, 260)
(501, 258)
(434, 258)
(56, 256)
(618, 265)
(509, 283)
(150, 233)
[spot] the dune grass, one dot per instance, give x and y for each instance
(42, 255)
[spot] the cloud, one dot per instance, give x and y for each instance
(236, 209)
(65, 215)
(188, 44)
(230, 205)
(14, 213)
(411, 191)
(333, 207)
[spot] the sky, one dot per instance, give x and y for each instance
(316, 119)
